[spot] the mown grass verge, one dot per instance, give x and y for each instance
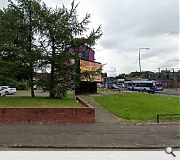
(39, 102)
(140, 106)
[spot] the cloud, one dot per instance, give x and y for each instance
(129, 25)
(133, 24)
(3, 4)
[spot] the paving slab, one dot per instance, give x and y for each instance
(87, 135)
(108, 132)
(102, 115)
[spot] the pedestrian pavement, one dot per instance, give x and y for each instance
(108, 132)
(171, 92)
(102, 115)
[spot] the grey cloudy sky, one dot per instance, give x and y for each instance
(129, 25)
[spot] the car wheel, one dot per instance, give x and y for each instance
(144, 90)
(6, 92)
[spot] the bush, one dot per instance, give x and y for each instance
(6, 81)
(22, 85)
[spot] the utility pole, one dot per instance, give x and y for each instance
(140, 59)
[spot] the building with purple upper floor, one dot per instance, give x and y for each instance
(91, 71)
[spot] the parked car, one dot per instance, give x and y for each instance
(121, 86)
(8, 90)
(114, 86)
(159, 87)
(99, 85)
(35, 87)
(2, 92)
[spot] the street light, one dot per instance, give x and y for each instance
(140, 58)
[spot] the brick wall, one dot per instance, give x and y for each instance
(85, 114)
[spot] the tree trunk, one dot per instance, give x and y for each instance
(30, 51)
(51, 91)
(31, 85)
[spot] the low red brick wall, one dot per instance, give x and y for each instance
(85, 114)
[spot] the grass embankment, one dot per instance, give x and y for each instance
(37, 102)
(139, 106)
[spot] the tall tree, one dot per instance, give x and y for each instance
(23, 33)
(61, 30)
(11, 38)
(33, 36)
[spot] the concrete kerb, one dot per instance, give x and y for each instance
(84, 102)
(153, 147)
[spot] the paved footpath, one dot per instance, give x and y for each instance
(107, 132)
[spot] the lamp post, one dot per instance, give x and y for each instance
(103, 78)
(140, 58)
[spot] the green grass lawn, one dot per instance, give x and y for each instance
(37, 102)
(140, 106)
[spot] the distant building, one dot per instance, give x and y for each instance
(91, 71)
(169, 79)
